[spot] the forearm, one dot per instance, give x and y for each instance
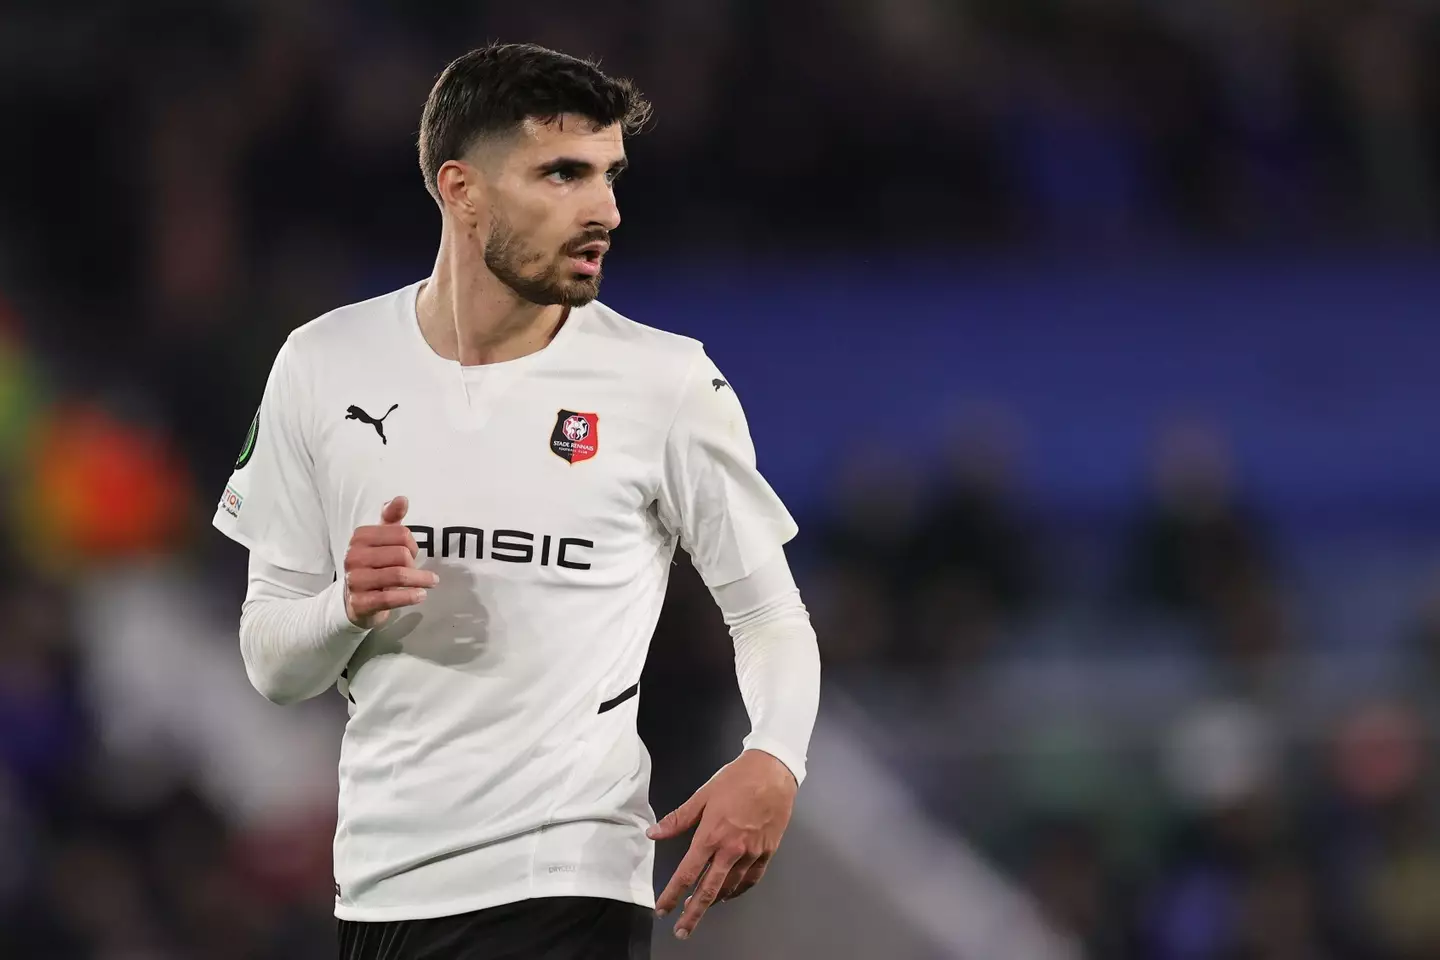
(295, 637)
(777, 661)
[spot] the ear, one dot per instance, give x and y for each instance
(462, 190)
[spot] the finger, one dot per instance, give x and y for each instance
(372, 602)
(738, 873)
(707, 893)
(685, 877)
(679, 820)
(385, 536)
(752, 877)
(395, 510)
(365, 579)
(372, 558)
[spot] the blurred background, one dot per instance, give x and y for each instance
(1091, 342)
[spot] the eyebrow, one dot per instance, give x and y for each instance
(580, 166)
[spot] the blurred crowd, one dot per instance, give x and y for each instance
(1241, 815)
(191, 181)
(1331, 852)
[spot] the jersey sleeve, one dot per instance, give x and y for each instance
(711, 495)
(271, 504)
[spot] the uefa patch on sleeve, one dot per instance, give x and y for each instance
(231, 502)
(576, 436)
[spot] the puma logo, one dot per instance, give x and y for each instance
(355, 413)
(717, 383)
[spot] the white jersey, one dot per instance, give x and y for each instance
(491, 753)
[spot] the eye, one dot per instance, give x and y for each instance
(613, 175)
(563, 175)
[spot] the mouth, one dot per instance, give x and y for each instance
(586, 259)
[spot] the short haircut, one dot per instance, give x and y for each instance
(495, 89)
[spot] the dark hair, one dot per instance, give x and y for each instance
(494, 89)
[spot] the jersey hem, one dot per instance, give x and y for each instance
(640, 896)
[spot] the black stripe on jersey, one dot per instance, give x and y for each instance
(615, 701)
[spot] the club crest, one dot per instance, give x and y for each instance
(576, 436)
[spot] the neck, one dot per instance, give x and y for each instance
(466, 314)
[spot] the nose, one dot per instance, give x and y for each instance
(607, 212)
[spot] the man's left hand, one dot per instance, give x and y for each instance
(742, 811)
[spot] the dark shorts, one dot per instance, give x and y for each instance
(546, 928)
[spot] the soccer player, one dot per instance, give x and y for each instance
(499, 468)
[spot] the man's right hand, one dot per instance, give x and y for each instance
(380, 571)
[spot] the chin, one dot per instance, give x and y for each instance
(579, 293)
